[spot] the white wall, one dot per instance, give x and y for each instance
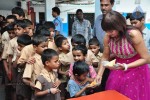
(5, 12)
(128, 6)
(66, 9)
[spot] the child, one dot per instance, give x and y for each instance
(11, 35)
(12, 46)
(64, 48)
(33, 70)
(95, 48)
(137, 20)
(18, 12)
(79, 53)
(47, 83)
(29, 27)
(7, 35)
(11, 19)
(79, 39)
(78, 84)
(23, 91)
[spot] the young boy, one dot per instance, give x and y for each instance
(18, 12)
(11, 35)
(11, 19)
(33, 70)
(137, 20)
(95, 48)
(64, 48)
(23, 91)
(47, 82)
(77, 86)
(29, 27)
(79, 39)
(12, 46)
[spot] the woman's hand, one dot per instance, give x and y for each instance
(98, 79)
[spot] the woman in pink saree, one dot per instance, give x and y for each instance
(131, 76)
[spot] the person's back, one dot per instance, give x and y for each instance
(57, 21)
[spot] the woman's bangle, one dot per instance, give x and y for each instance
(125, 67)
(49, 91)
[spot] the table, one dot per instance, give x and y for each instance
(105, 95)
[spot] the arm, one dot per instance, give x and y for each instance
(80, 92)
(73, 91)
(40, 92)
(140, 47)
(105, 57)
(28, 82)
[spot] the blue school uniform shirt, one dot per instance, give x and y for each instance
(58, 24)
(73, 88)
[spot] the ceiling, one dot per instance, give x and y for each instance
(9, 4)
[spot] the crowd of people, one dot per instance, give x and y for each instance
(39, 63)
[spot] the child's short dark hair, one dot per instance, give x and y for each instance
(94, 41)
(38, 39)
(11, 17)
(80, 67)
(19, 11)
(27, 22)
(59, 41)
(43, 31)
(82, 48)
(20, 23)
(137, 16)
(57, 36)
(10, 27)
(24, 39)
(78, 39)
(48, 25)
(47, 55)
(56, 9)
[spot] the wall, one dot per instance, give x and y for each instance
(65, 10)
(5, 12)
(128, 6)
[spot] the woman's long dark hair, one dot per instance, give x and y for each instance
(115, 21)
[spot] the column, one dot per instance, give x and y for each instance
(49, 4)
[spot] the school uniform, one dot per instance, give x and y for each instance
(51, 45)
(33, 70)
(65, 60)
(45, 81)
(26, 52)
(12, 50)
(5, 42)
(91, 57)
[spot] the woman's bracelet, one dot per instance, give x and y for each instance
(125, 67)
